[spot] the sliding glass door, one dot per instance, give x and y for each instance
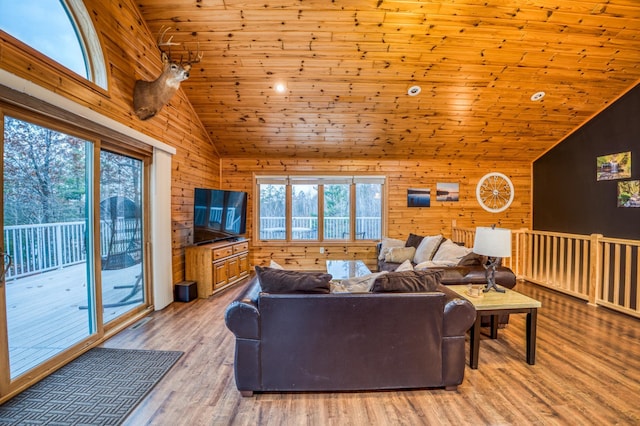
(48, 292)
(73, 248)
(121, 225)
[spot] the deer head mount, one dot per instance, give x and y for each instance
(150, 96)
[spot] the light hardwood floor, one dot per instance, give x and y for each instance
(587, 373)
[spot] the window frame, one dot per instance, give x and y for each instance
(89, 42)
(97, 78)
(320, 180)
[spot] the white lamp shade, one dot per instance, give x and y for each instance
(492, 242)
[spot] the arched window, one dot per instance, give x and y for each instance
(59, 29)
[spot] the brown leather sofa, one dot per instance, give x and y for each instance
(470, 273)
(348, 341)
(464, 274)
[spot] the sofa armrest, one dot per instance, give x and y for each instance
(459, 313)
(242, 316)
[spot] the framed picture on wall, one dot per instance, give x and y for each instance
(629, 193)
(419, 197)
(447, 191)
(614, 166)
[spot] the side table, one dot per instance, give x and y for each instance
(494, 304)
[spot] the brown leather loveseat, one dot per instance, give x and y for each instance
(467, 270)
(348, 341)
(464, 274)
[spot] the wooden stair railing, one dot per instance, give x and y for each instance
(603, 271)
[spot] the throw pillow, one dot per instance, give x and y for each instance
(274, 280)
(400, 254)
(427, 248)
(387, 244)
(358, 284)
(407, 282)
(451, 252)
(275, 265)
(414, 241)
(405, 266)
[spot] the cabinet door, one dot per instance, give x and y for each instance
(232, 267)
(220, 274)
(243, 265)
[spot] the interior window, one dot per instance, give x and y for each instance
(45, 26)
(324, 208)
(336, 212)
(272, 209)
(368, 210)
(304, 217)
(50, 27)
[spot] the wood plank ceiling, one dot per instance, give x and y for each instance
(347, 66)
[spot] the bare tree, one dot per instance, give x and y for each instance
(44, 174)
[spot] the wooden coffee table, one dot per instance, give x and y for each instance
(495, 304)
(343, 269)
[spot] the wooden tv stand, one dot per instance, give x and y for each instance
(216, 266)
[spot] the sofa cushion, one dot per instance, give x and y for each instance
(387, 244)
(400, 254)
(274, 280)
(407, 282)
(427, 248)
(450, 251)
(413, 240)
(457, 275)
(405, 266)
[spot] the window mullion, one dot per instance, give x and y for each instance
(289, 213)
(320, 212)
(352, 211)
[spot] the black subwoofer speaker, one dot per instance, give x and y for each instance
(185, 291)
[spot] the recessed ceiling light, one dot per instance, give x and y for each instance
(280, 87)
(537, 96)
(414, 90)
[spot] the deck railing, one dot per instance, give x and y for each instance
(306, 228)
(42, 247)
(601, 270)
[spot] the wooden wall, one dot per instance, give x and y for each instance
(131, 54)
(238, 174)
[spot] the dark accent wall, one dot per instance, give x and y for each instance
(567, 197)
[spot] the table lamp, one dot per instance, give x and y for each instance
(495, 243)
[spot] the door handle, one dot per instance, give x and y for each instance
(7, 264)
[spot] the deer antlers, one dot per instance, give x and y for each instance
(161, 43)
(150, 96)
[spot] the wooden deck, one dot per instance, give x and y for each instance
(47, 313)
(587, 372)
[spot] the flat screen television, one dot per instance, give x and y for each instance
(218, 215)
